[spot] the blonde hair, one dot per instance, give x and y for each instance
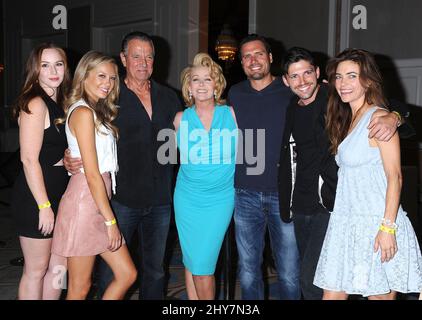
(105, 109)
(216, 73)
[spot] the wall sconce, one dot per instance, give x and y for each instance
(1, 67)
(226, 44)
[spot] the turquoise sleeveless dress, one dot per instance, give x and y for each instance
(348, 262)
(204, 193)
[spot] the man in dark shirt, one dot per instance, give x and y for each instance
(316, 171)
(260, 103)
(143, 197)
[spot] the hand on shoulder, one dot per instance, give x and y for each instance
(383, 125)
(379, 113)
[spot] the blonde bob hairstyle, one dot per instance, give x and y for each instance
(105, 109)
(216, 73)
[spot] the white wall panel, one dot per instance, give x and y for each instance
(410, 72)
(171, 24)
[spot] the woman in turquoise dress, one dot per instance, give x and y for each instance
(204, 195)
(370, 247)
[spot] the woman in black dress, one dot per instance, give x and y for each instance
(39, 187)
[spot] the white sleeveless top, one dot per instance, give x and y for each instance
(105, 144)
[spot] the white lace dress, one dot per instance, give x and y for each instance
(348, 262)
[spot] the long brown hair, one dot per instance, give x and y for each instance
(31, 87)
(339, 114)
(105, 109)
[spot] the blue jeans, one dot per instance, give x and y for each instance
(254, 212)
(152, 224)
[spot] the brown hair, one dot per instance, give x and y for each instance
(31, 87)
(216, 73)
(339, 114)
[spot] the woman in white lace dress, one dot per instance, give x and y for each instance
(370, 247)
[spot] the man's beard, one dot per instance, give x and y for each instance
(257, 76)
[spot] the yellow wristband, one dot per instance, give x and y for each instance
(44, 205)
(110, 222)
(388, 230)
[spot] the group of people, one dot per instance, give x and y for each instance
(333, 232)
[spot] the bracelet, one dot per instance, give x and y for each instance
(399, 123)
(388, 230)
(388, 223)
(110, 222)
(44, 205)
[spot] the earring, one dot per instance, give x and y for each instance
(190, 95)
(215, 95)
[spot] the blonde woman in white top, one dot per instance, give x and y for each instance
(86, 225)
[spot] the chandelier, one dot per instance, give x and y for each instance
(226, 44)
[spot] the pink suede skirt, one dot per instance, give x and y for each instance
(80, 229)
